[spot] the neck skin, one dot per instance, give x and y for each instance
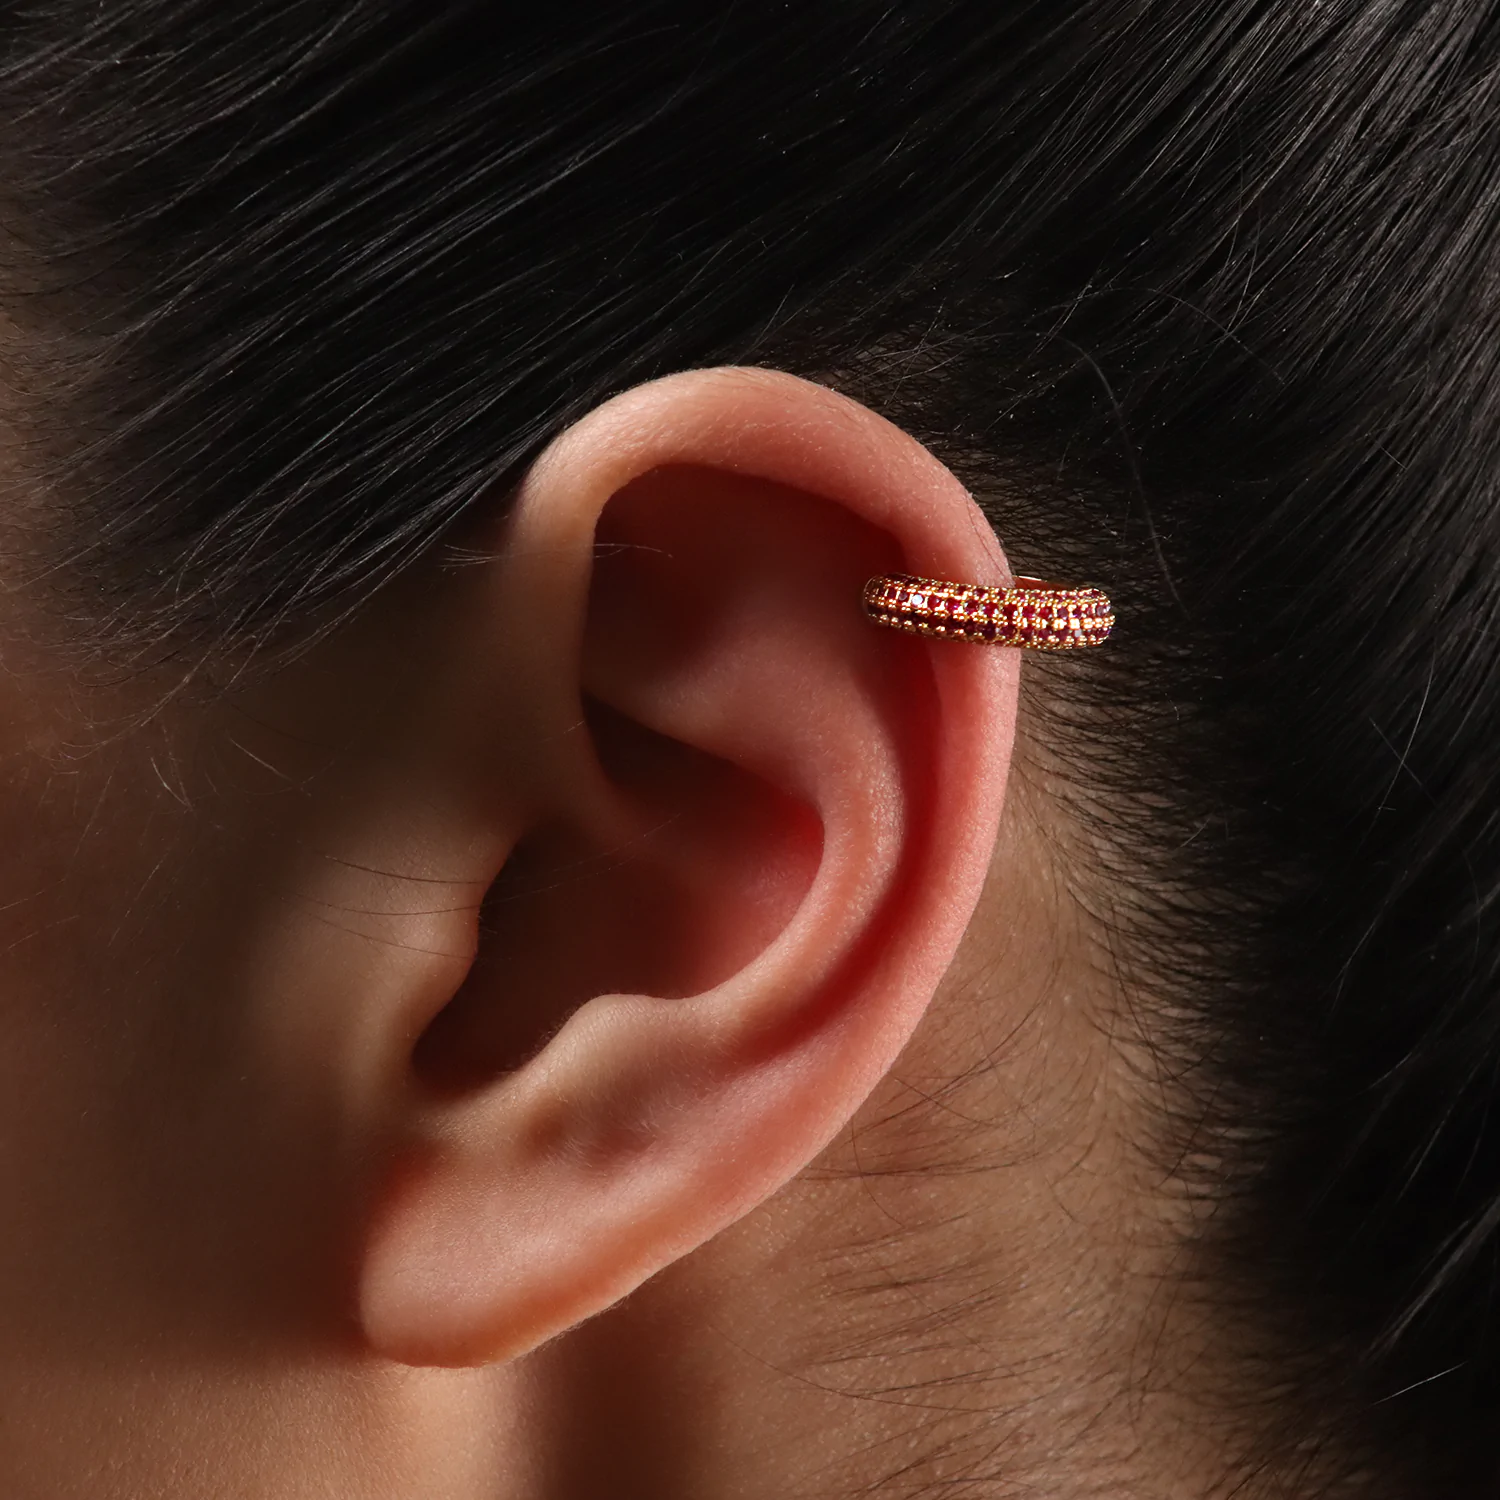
(962, 1291)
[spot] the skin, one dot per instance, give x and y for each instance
(605, 1021)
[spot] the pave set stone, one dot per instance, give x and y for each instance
(1032, 614)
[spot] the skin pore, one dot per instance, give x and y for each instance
(605, 1020)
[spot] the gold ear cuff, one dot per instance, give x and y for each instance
(1032, 614)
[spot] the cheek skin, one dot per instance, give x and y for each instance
(133, 1137)
(87, 859)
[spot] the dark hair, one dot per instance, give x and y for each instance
(294, 285)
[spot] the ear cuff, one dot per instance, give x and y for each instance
(1032, 614)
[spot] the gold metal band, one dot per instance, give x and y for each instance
(1032, 613)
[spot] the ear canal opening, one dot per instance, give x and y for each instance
(724, 863)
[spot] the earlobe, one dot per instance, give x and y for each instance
(741, 882)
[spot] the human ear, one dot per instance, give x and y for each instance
(735, 832)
